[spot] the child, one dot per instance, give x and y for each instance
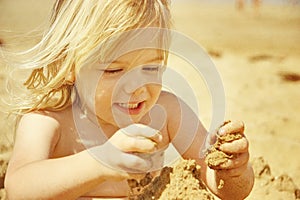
(95, 114)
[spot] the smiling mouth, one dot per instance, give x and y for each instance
(129, 105)
(131, 108)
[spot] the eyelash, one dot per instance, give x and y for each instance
(113, 71)
(151, 69)
(146, 68)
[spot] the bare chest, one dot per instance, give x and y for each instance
(80, 134)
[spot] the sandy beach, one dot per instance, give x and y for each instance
(257, 55)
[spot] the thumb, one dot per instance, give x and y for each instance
(211, 138)
(141, 130)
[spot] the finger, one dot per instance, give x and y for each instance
(140, 130)
(232, 127)
(236, 146)
(139, 144)
(114, 158)
(235, 162)
(134, 164)
(233, 172)
(134, 177)
(211, 139)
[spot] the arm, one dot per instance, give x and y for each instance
(236, 172)
(30, 168)
(185, 129)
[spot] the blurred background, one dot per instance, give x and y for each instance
(255, 46)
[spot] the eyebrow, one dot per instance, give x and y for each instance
(148, 61)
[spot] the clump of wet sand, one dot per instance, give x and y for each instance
(183, 181)
(214, 156)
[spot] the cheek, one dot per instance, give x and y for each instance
(103, 95)
(155, 91)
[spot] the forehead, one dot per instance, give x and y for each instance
(134, 40)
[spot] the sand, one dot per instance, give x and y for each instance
(257, 55)
(214, 156)
(182, 181)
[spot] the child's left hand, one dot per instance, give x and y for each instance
(237, 164)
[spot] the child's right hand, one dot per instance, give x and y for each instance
(132, 149)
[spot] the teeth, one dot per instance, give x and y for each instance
(129, 105)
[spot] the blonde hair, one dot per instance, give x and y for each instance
(76, 28)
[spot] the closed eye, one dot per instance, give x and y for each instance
(151, 68)
(112, 71)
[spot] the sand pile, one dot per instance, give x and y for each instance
(179, 182)
(4, 158)
(273, 187)
(183, 182)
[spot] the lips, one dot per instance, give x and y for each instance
(130, 108)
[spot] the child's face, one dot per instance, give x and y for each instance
(128, 87)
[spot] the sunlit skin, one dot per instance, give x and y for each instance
(124, 90)
(58, 149)
(121, 94)
(128, 88)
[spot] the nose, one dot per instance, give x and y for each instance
(133, 82)
(136, 85)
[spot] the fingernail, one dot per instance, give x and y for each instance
(221, 131)
(160, 137)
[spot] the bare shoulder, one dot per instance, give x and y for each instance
(168, 99)
(180, 116)
(37, 135)
(172, 104)
(38, 120)
(46, 124)
(42, 126)
(165, 94)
